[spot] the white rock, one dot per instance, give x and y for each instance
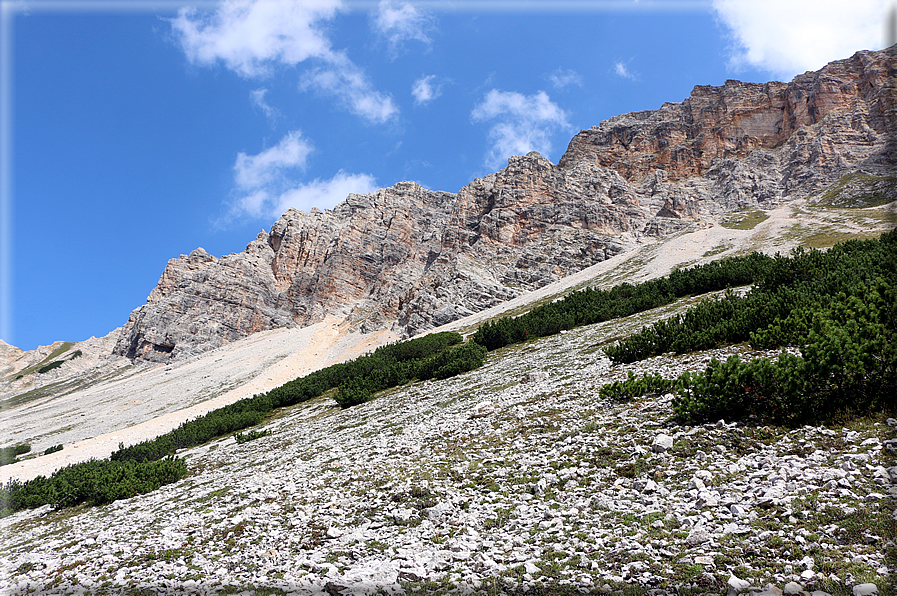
(697, 536)
(865, 590)
(738, 584)
(483, 409)
(662, 443)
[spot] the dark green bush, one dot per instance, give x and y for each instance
(380, 373)
(94, 481)
(454, 361)
(594, 306)
(779, 309)
(848, 366)
(8, 454)
(241, 438)
(53, 449)
(634, 387)
(50, 366)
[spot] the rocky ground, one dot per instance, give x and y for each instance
(516, 477)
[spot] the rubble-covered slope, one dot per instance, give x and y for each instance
(514, 478)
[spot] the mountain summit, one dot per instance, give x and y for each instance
(408, 259)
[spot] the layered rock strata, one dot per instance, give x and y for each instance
(411, 259)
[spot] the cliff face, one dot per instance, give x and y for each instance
(410, 258)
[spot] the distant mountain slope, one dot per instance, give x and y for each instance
(409, 259)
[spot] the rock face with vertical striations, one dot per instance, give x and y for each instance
(411, 259)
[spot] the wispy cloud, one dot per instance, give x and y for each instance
(323, 194)
(266, 188)
(250, 37)
(426, 89)
(253, 37)
(267, 167)
(788, 38)
(523, 123)
(565, 77)
(621, 70)
(348, 84)
(257, 97)
(401, 22)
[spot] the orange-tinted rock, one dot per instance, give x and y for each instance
(410, 259)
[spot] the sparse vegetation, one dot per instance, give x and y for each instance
(745, 220)
(859, 190)
(8, 455)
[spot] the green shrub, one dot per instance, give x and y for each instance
(50, 366)
(634, 387)
(594, 305)
(779, 310)
(380, 373)
(241, 438)
(8, 454)
(94, 481)
(53, 449)
(848, 365)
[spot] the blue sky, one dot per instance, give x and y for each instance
(134, 132)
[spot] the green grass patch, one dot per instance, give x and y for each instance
(859, 190)
(744, 220)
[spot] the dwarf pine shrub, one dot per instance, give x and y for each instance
(8, 454)
(94, 481)
(847, 366)
(780, 308)
(593, 305)
(241, 438)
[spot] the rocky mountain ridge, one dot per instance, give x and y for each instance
(409, 259)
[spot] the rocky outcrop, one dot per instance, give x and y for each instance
(840, 116)
(410, 259)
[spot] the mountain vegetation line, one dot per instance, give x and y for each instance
(839, 308)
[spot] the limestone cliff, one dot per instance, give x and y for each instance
(410, 258)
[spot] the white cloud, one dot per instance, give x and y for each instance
(323, 194)
(788, 38)
(257, 98)
(524, 123)
(565, 77)
(251, 36)
(351, 87)
(265, 189)
(398, 23)
(254, 171)
(623, 71)
(425, 89)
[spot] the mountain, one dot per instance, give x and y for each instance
(517, 477)
(729, 170)
(409, 259)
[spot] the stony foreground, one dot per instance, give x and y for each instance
(514, 478)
